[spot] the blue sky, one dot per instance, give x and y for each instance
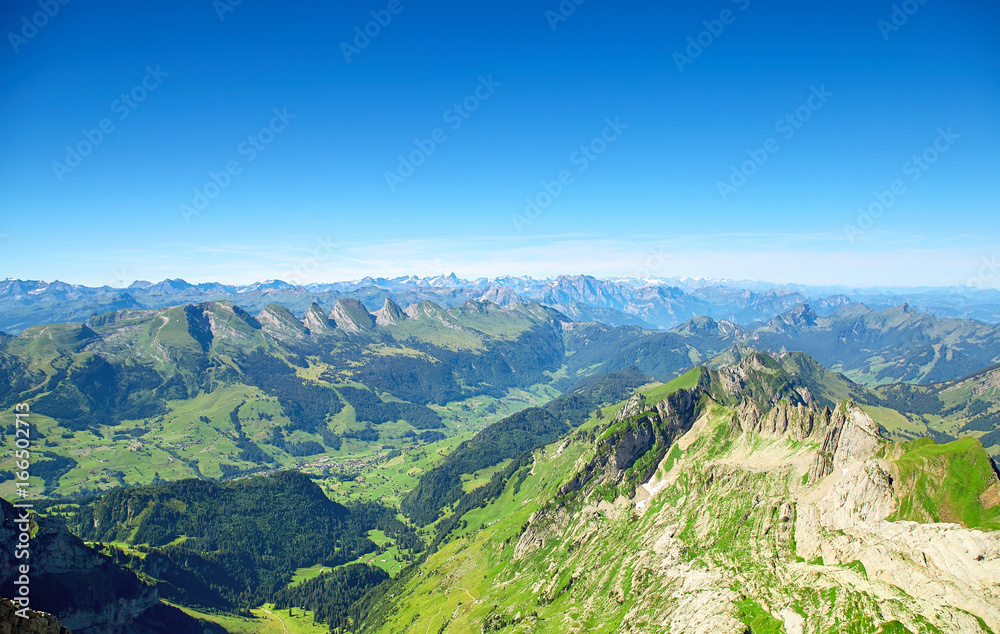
(653, 135)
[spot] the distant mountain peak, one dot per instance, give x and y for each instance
(390, 314)
(316, 320)
(350, 315)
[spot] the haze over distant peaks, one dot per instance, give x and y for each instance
(656, 303)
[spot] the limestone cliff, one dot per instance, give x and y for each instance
(35, 623)
(758, 510)
(84, 589)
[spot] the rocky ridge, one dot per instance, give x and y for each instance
(762, 511)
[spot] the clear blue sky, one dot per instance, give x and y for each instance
(316, 198)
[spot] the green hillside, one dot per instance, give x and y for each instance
(208, 390)
(717, 545)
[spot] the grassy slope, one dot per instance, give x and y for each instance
(470, 581)
(266, 620)
(470, 565)
(945, 483)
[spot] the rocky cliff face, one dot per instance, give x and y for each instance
(84, 589)
(767, 513)
(280, 323)
(390, 314)
(350, 315)
(317, 322)
(793, 505)
(35, 623)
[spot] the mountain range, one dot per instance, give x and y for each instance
(272, 390)
(649, 303)
(728, 501)
(748, 497)
(507, 467)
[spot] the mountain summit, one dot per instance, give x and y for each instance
(727, 501)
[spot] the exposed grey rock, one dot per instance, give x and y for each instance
(280, 323)
(390, 314)
(317, 322)
(35, 623)
(351, 315)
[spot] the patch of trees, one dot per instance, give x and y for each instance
(991, 438)
(910, 399)
(507, 438)
(330, 439)
(229, 470)
(173, 388)
(978, 407)
(368, 434)
(368, 407)
(307, 404)
(96, 392)
(983, 422)
(304, 448)
(414, 380)
(52, 470)
(376, 516)
(428, 437)
(15, 379)
(244, 538)
(332, 594)
(249, 450)
(575, 406)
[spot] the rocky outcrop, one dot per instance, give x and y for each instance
(501, 296)
(430, 311)
(87, 591)
(635, 405)
(843, 521)
(35, 622)
(390, 314)
(280, 323)
(351, 316)
(796, 422)
(636, 431)
(317, 322)
(851, 436)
